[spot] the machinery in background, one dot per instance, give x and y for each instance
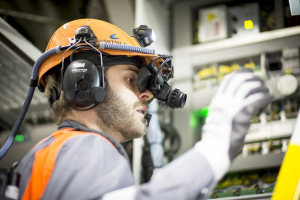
(232, 19)
(160, 144)
(246, 183)
(163, 135)
(210, 75)
(268, 136)
(283, 62)
(280, 69)
(236, 18)
(291, 13)
(256, 168)
(171, 143)
(244, 20)
(3, 182)
(153, 150)
(213, 23)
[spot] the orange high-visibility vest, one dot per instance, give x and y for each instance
(44, 162)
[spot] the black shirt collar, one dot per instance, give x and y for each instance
(71, 124)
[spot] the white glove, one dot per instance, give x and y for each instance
(240, 95)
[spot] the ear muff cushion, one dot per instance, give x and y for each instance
(98, 93)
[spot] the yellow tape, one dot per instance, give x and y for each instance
(297, 193)
(287, 184)
(288, 71)
(234, 67)
(250, 65)
(207, 73)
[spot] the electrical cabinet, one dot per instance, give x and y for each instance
(274, 56)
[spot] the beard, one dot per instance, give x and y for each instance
(120, 117)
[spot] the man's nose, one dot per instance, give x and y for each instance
(145, 96)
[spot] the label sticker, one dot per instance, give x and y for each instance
(79, 70)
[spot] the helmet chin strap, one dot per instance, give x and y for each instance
(148, 118)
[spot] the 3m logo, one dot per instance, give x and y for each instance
(77, 65)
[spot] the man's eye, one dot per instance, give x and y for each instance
(130, 80)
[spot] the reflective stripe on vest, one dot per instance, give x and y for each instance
(44, 162)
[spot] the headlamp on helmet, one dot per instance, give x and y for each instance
(144, 35)
(84, 33)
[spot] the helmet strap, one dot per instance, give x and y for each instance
(54, 96)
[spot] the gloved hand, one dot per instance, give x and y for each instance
(240, 95)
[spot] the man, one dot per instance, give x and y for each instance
(84, 158)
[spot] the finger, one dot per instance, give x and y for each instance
(225, 81)
(257, 101)
(262, 89)
(228, 77)
(245, 88)
(254, 79)
(250, 87)
(236, 81)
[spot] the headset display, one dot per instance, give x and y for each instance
(83, 80)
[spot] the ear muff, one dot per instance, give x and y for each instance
(82, 84)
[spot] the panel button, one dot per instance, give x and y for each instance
(84, 86)
(89, 78)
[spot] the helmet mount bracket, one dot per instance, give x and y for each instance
(84, 34)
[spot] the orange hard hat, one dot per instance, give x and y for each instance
(104, 31)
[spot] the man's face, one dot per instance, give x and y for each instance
(124, 107)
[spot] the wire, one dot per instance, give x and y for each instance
(62, 64)
(158, 70)
(101, 61)
(17, 125)
(171, 137)
(122, 47)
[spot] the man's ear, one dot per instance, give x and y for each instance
(107, 72)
